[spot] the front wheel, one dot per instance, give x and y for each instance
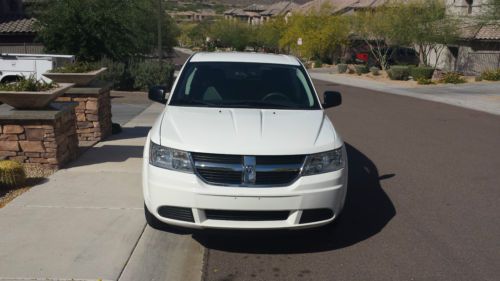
(152, 220)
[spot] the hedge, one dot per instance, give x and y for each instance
(399, 72)
(423, 72)
(342, 67)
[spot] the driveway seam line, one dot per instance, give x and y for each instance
(131, 253)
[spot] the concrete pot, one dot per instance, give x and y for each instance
(80, 79)
(33, 100)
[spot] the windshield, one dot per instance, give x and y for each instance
(244, 85)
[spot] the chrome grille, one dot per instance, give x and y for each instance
(222, 169)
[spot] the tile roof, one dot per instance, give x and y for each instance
(489, 32)
(473, 30)
(280, 8)
(19, 25)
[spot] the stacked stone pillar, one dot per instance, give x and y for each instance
(93, 111)
(46, 137)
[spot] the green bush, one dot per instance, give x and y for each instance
(421, 72)
(136, 74)
(117, 74)
(11, 174)
(342, 67)
(491, 75)
(399, 72)
(360, 69)
(30, 84)
(424, 81)
(150, 73)
(375, 70)
(318, 63)
(452, 78)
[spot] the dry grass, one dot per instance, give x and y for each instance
(34, 175)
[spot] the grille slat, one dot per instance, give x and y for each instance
(247, 215)
(274, 170)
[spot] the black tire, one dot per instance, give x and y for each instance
(152, 220)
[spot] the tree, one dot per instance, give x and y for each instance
(492, 11)
(429, 29)
(322, 34)
(93, 29)
(381, 28)
(268, 35)
(230, 34)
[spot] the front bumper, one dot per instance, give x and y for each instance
(163, 187)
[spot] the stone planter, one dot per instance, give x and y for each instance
(33, 100)
(43, 137)
(80, 79)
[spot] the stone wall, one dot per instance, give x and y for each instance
(93, 112)
(48, 142)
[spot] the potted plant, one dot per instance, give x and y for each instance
(80, 73)
(30, 93)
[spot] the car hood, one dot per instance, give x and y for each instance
(246, 131)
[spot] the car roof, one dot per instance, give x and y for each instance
(244, 57)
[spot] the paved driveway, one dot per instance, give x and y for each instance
(422, 202)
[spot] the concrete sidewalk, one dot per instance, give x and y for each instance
(87, 221)
(478, 96)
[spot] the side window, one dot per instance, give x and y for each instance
(305, 86)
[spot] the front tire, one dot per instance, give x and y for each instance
(152, 220)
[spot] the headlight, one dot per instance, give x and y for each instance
(169, 158)
(324, 162)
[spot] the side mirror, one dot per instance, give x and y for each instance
(158, 94)
(331, 99)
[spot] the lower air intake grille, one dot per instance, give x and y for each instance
(314, 215)
(176, 213)
(246, 215)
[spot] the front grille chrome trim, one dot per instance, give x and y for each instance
(213, 167)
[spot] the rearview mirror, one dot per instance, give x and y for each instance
(331, 99)
(158, 94)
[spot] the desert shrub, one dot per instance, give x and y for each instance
(478, 79)
(318, 63)
(117, 74)
(29, 84)
(424, 81)
(11, 174)
(398, 72)
(360, 69)
(375, 70)
(350, 70)
(452, 78)
(150, 73)
(342, 67)
(491, 75)
(421, 72)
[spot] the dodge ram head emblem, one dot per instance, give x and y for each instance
(249, 174)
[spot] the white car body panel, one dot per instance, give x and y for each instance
(247, 131)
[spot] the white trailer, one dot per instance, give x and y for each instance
(15, 66)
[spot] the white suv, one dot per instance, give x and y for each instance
(243, 143)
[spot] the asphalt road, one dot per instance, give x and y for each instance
(424, 188)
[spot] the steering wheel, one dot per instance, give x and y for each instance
(276, 96)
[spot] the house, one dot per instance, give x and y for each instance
(194, 16)
(17, 28)
(337, 6)
(258, 14)
(478, 48)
